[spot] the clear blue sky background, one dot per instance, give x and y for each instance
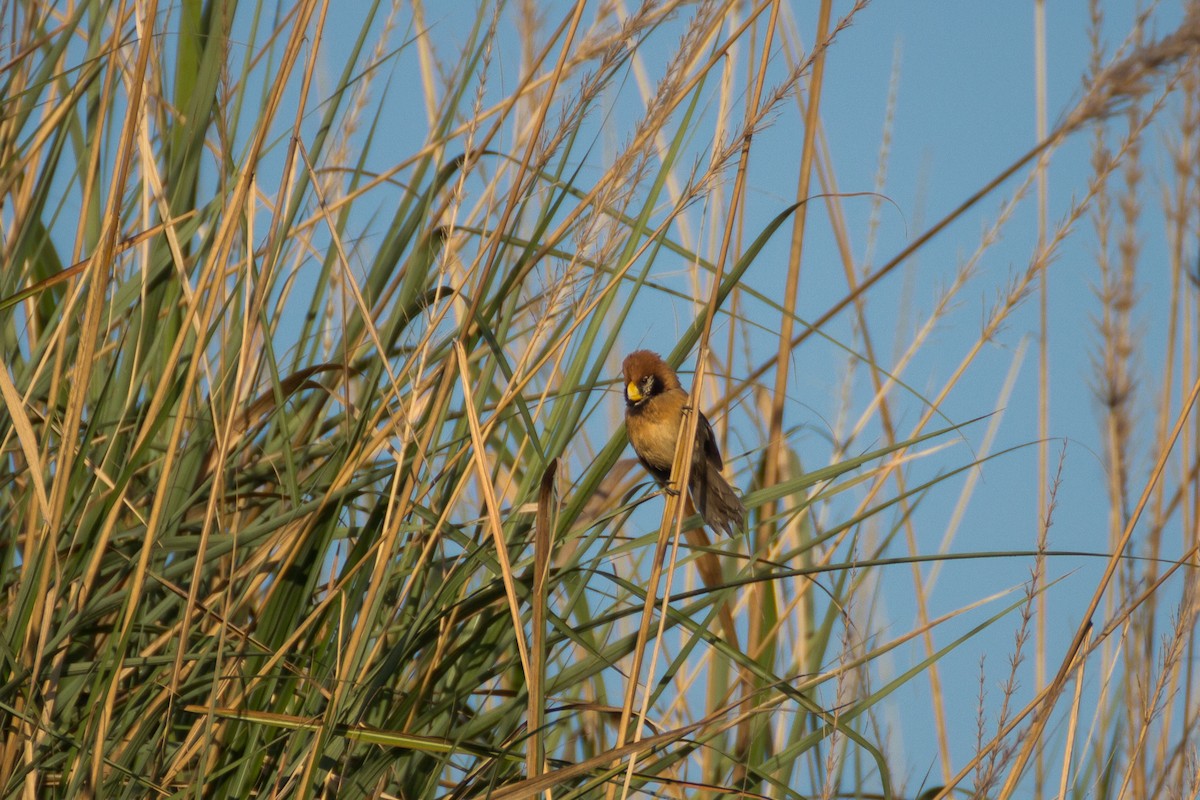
(965, 110)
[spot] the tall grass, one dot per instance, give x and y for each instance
(314, 482)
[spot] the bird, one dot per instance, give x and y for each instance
(654, 406)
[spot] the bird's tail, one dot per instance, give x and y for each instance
(716, 501)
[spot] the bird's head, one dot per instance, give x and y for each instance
(646, 375)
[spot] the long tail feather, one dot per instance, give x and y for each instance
(716, 501)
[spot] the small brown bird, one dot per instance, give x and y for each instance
(654, 403)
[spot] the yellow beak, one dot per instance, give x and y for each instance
(632, 392)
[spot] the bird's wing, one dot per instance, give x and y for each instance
(707, 444)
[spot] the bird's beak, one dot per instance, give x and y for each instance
(632, 392)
